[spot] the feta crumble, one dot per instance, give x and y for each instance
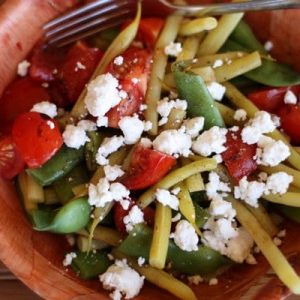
(146, 143)
(167, 199)
(141, 261)
(173, 49)
(173, 142)
(119, 60)
(23, 67)
(135, 216)
(79, 66)
(278, 183)
(213, 281)
(218, 63)
(87, 125)
(185, 236)
(195, 279)
(69, 258)
(113, 172)
(132, 128)
(165, 106)
(75, 137)
(290, 98)
(210, 141)
(240, 115)
(123, 280)
(193, 126)
(45, 108)
(216, 90)
(268, 46)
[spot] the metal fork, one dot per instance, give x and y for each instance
(103, 14)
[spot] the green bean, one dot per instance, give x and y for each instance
(91, 148)
(292, 213)
(70, 218)
(58, 166)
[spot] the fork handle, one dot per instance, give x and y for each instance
(223, 8)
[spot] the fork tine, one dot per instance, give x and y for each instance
(94, 5)
(64, 26)
(84, 28)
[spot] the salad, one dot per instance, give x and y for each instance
(164, 150)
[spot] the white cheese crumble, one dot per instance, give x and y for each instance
(135, 216)
(195, 279)
(216, 186)
(210, 141)
(87, 125)
(123, 280)
(278, 183)
(23, 67)
(213, 281)
(146, 143)
(68, 259)
(271, 152)
(50, 124)
(173, 49)
(141, 261)
(256, 127)
(79, 66)
(108, 146)
(45, 108)
(176, 218)
(185, 236)
(132, 128)
(165, 106)
(113, 172)
(249, 191)
(218, 63)
(75, 137)
(173, 142)
(102, 121)
(143, 107)
(216, 90)
(290, 98)
(135, 80)
(268, 46)
(240, 115)
(167, 199)
(102, 95)
(119, 60)
(193, 126)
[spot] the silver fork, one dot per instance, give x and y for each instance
(103, 14)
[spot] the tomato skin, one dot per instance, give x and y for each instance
(136, 65)
(146, 168)
(238, 157)
(75, 78)
(11, 162)
(35, 139)
(271, 99)
(149, 30)
(290, 121)
(120, 213)
(19, 97)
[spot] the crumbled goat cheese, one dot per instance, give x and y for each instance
(166, 198)
(185, 236)
(193, 126)
(276, 120)
(102, 121)
(119, 60)
(141, 261)
(165, 106)
(173, 49)
(218, 63)
(195, 279)
(79, 66)
(256, 127)
(262, 176)
(220, 207)
(146, 143)
(215, 185)
(251, 260)
(218, 158)
(113, 172)
(277, 241)
(102, 95)
(290, 98)
(23, 67)
(143, 107)
(175, 191)
(75, 137)
(234, 128)
(123, 94)
(119, 191)
(87, 125)
(173, 142)
(271, 152)
(281, 233)
(216, 90)
(122, 280)
(176, 218)
(162, 121)
(132, 128)
(50, 124)
(147, 125)
(278, 183)
(68, 259)
(268, 46)
(125, 204)
(135, 216)
(45, 108)
(240, 115)
(135, 80)
(213, 281)
(210, 141)
(108, 146)
(249, 191)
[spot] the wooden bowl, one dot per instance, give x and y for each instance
(36, 258)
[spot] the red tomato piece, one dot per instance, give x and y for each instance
(271, 99)
(136, 65)
(19, 97)
(146, 168)
(290, 121)
(11, 162)
(120, 213)
(238, 157)
(45, 62)
(149, 30)
(37, 137)
(80, 64)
